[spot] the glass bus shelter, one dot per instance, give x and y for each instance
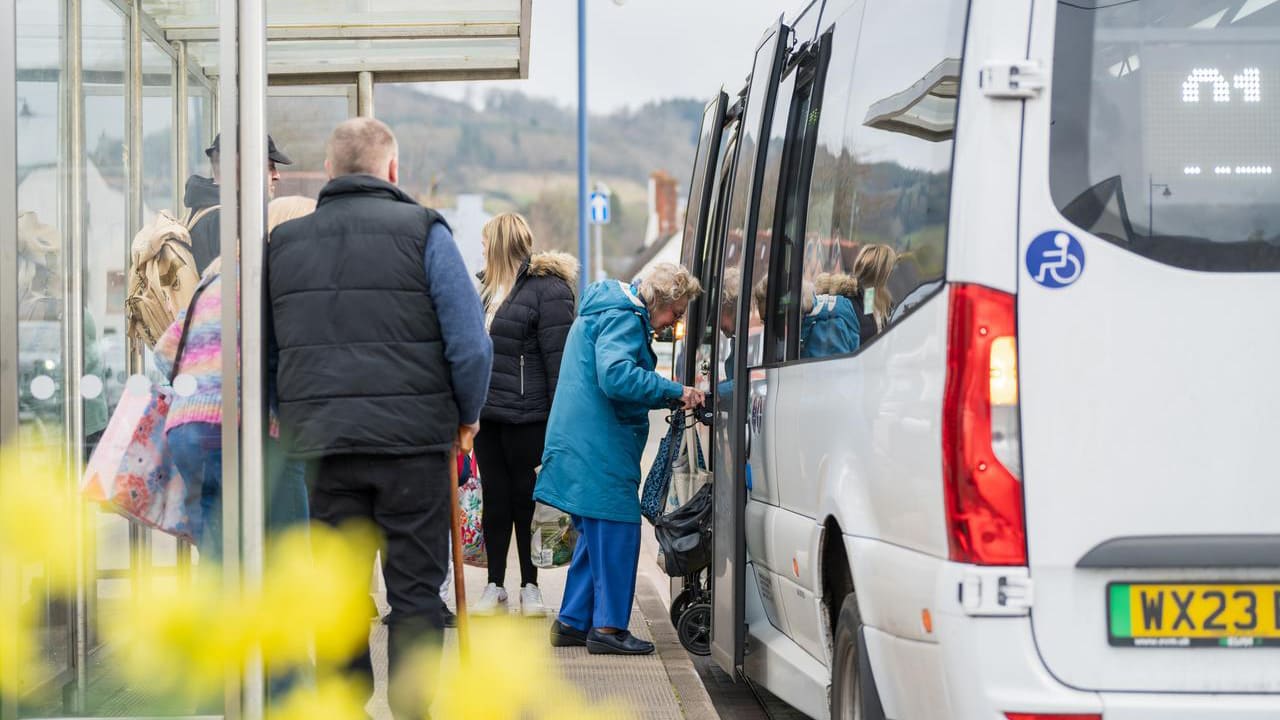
(106, 108)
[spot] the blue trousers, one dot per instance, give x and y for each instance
(602, 576)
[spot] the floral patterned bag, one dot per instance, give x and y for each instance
(472, 504)
(131, 470)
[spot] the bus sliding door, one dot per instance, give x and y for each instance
(730, 477)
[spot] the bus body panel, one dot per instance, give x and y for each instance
(860, 439)
(775, 661)
(983, 230)
(1149, 399)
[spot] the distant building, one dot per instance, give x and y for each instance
(663, 207)
(663, 235)
(467, 220)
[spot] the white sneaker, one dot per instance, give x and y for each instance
(490, 599)
(531, 602)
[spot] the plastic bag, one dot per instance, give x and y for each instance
(471, 502)
(554, 537)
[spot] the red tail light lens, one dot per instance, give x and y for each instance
(981, 468)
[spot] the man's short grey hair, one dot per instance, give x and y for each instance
(361, 146)
(667, 284)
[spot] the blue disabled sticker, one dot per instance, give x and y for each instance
(1055, 259)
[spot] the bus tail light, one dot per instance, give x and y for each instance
(981, 438)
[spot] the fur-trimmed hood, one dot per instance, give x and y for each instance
(836, 284)
(555, 264)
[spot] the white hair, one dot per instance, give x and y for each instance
(667, 284)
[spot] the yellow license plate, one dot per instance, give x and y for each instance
(1193, 614)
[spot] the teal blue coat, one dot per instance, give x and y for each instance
(831, 328)
(599, 420)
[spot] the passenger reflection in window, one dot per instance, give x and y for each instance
(730, 286)
(873, 299)
(40, 316)
(829, 325)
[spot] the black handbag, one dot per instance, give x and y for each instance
(684, 535)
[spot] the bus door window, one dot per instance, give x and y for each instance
(763, 327)
(789, 291)
(697, 213)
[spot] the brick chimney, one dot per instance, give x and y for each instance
(665, 197)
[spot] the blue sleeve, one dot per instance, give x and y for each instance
(467, 346)
(619, 376)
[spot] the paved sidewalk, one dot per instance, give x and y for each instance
(662, 686)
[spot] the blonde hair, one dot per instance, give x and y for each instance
(360, 146)
(289, 207)
(510, 245)
(872, 269)
(667, 284)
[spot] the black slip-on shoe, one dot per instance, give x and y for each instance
(619, 643)
(564, 636)
(450, 619)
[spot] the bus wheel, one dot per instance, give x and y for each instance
(853, 688)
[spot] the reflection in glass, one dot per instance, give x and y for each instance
(41, 300)
(886, 173)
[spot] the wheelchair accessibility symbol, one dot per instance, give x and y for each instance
(1055, 259)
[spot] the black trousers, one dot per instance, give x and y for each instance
(507, 455)
(407, 498)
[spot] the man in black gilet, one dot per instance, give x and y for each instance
(382, 368)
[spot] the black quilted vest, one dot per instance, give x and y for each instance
(361, 357)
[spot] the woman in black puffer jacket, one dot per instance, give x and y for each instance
(529, 307)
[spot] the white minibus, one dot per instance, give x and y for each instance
(992, 332)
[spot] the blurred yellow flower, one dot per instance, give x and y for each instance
(38, 514)
(331, 699)
(510, 673)
(184, 641)
(316, 590)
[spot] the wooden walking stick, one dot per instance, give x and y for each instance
(463, 445)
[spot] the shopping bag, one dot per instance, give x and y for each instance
(130, 471)
(653, 496)
(471, 502)
(554, 537)
(688, 474)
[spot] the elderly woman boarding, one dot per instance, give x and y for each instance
(597, 429)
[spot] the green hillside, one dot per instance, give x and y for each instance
(521, 153)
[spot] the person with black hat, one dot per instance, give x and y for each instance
(203, 199)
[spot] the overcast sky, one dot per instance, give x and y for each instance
(639, 51)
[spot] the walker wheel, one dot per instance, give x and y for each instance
(679, 604)
(694, 629)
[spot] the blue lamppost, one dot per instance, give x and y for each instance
(583, 257)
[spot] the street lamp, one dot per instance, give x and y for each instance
(1151, 200)
(583, 257)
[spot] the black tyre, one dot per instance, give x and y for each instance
(679, 604)
(853, 687)
(694, 629)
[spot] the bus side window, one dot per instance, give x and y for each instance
(880, 191)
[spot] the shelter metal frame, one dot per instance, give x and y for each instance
(236, 91)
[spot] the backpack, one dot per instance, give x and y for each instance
(162, 275)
